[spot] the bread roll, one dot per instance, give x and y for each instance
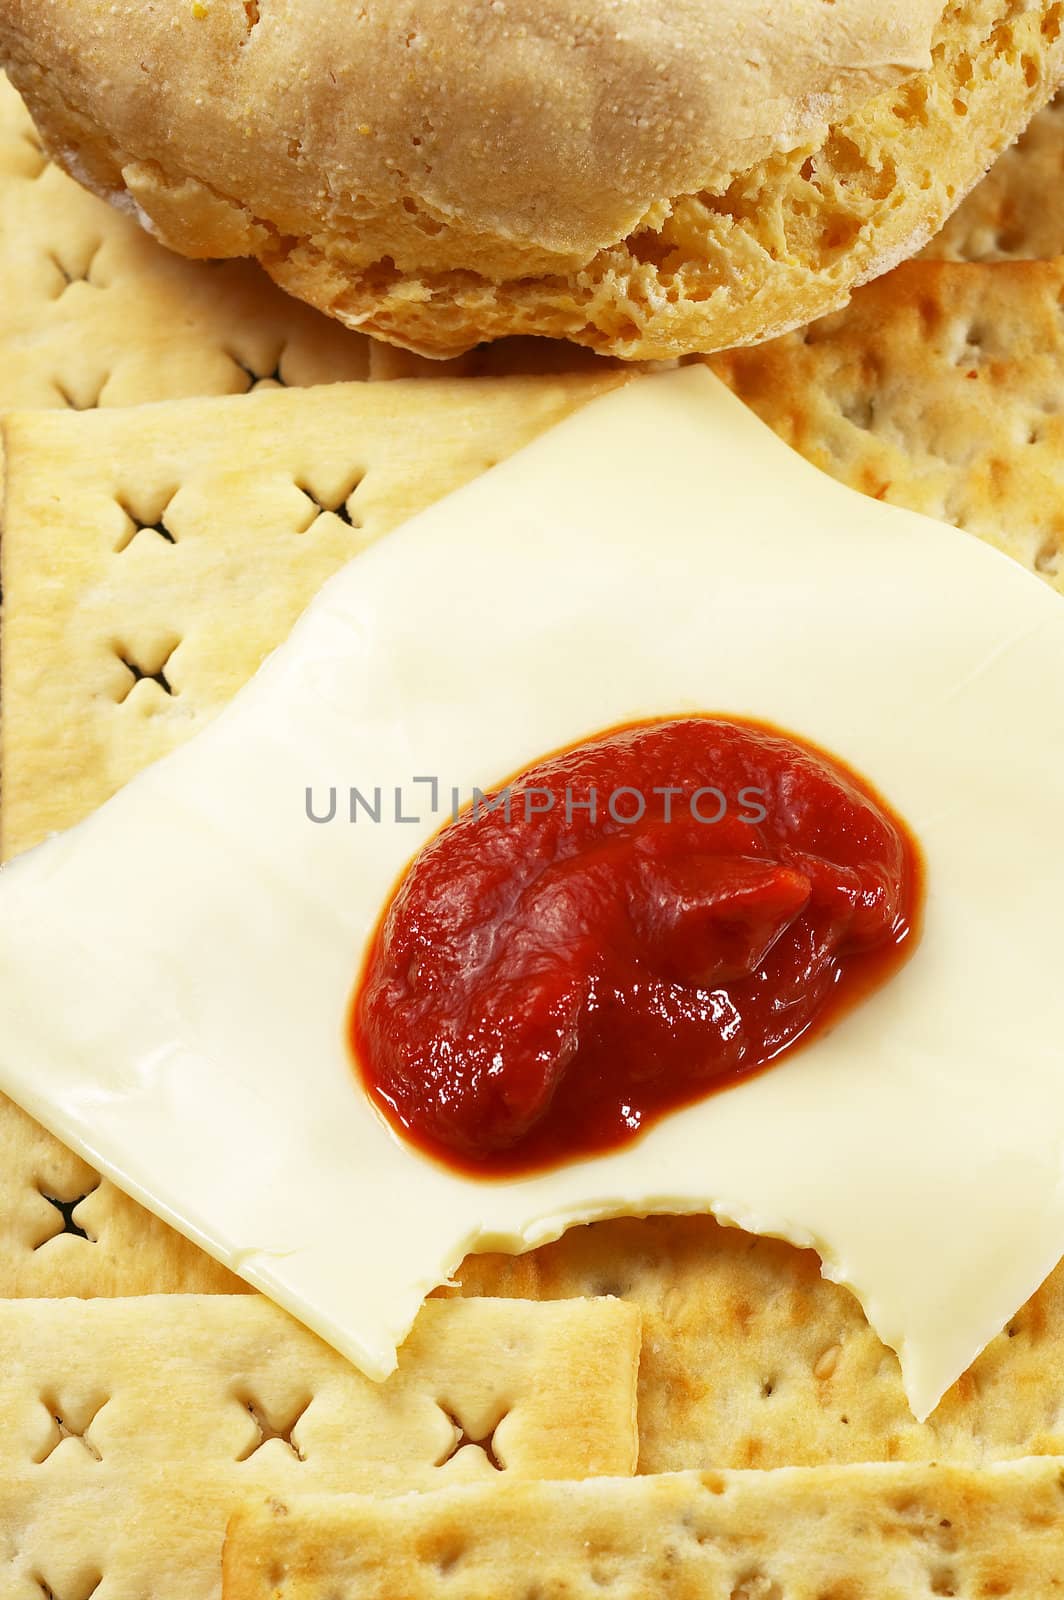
(645, 177)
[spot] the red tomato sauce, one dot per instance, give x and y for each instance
(625, 928)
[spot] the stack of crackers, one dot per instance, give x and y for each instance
(645, 1408)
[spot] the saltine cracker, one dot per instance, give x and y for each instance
(751, 1359)
(64, 1230)
(132, 1428)
(940, 388)
(827, 1533)
(93, 312)
(152, 557)
(195, 532)
(833, 1393)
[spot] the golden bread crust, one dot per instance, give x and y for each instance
(540, 128)
(646, 181)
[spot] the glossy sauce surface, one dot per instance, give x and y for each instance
(624, 928)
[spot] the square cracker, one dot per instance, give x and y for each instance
(86, 592)
(64, 1230)
(827, 1533)
(93, 312)
(752, 1359)
(132, 1428)
(153, 556)
(939, 388)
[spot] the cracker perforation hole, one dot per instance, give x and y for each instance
(464, 1440)
(81, 397)
(272, 1424)
(339, 506)
(249, 372)
(1047, 557)
(442, 1551)
(142, 519)
(827, 1363)
(970, 349)
(72, 272)
(144, 672)
(755, 1584)
(29, 137)
(83, 1589)
(860, 410)
(68, 1223)
(274, 377)
(71, 1422)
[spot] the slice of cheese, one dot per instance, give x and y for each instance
(175, 973)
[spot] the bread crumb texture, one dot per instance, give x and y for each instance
(1014, 214)
(648, 181)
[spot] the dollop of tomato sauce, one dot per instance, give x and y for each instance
(647, 917)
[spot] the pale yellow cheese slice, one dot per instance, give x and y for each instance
(175, 972)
